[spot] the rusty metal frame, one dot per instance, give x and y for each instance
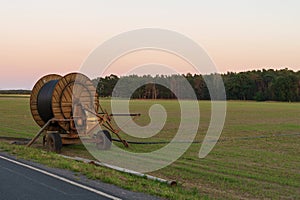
(104, 119)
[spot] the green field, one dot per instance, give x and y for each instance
(243, 165)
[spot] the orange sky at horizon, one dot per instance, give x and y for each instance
(38, 38)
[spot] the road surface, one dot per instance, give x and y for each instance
(19, 180)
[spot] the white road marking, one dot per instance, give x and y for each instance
(62, 179)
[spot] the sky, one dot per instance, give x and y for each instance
(39, 37)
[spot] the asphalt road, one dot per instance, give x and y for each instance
(24, 180)
(19, 182)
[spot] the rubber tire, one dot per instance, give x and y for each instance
(105, 136)
(54, 142)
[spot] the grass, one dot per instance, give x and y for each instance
(106, 175)
(267, 167)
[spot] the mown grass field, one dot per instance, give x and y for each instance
(243, 165)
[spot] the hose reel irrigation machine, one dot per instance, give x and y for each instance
(67, 110)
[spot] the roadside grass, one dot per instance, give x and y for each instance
(106, 175)
(251, 167)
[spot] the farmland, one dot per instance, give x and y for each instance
(257, 155)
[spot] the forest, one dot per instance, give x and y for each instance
(258, 85)
(20, 91)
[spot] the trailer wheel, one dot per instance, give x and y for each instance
(54, 142)
(103, 140)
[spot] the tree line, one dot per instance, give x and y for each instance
(259, 85)
(15, 91)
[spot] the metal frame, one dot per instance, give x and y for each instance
(73, 137)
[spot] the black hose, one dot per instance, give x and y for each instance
(44, 100)
(14, 138)
(220, 140)
(166, 142)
